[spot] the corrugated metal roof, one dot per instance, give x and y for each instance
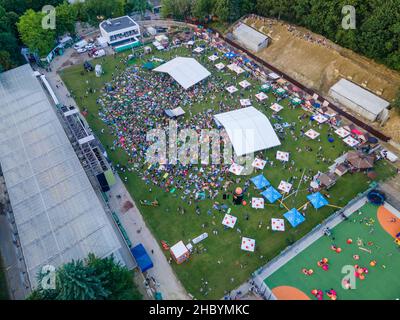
(57, 213)
(360, 96)
(248, 34)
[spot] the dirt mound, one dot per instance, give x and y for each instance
(319, 63)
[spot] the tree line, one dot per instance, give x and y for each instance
(377, 33)
(21, 23)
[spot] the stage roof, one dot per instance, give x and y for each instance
(249, 130)
(186, 71)
(57, 213)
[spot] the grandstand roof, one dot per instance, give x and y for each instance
(57, 213)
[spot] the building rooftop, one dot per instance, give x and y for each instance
(360, 96)
(58, 215)
(112, 25)
(250, 34)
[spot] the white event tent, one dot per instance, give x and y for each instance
(186, 71)
(249, 130)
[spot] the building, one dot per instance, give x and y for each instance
(155, 5)
(120, 31)
(360, 161)
(250, 37)
(359, 100)
(55, 211)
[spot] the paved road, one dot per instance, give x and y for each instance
(169, 285)
(138, 232)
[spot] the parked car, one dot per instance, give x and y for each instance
(88, 66)
(90, 46)
(81, 50)
(81, 44)
(99, 53)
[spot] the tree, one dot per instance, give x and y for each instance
(94, 11)
(76, 281)
(202, 8)
(115, 278)
(136, 6)
(8, 42)
(222, 9)
(20, 6)
(66, 16)
(177, 9)
(90, 279)
(33, 35)
(6, 62)
(396, 102)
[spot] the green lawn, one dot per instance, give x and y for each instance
(3, 284)
(381, 282)
(222, 264)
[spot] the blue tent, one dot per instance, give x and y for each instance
(230, 55)
(260, 181)
(271, 194)
(294, 217)
(142, 258)
(317, 200)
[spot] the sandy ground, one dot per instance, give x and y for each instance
(321, 65)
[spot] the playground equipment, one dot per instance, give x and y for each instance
(397, 239)
(376, 197)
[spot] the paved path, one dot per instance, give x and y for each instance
(137, 231)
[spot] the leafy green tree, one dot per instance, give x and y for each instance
(20, 6)
(33, 35)
(76, 281)
(177, 9)
(66, 16)
(202, 8)
(6, 62)
(90, 279)
(222, 9)
(136, 6)
(116, 279)
(8, 42)
(94, 11)
(396, 102)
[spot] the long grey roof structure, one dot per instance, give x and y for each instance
(57, 213)
(360, 96)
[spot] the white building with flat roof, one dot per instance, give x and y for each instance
(122, 30)
(359, 100)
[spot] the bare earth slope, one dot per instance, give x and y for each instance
(319, 63)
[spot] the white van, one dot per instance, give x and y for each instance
(81, 44)
(99, 53)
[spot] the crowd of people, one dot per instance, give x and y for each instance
(134, 103)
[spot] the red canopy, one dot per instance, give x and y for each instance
(357, 132)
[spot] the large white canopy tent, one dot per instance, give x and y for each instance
(57, 214)
(186, 71)
(249, 130)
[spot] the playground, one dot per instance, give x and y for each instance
(170, 201)
(365, 241)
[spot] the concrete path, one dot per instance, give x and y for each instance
(137, 231)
